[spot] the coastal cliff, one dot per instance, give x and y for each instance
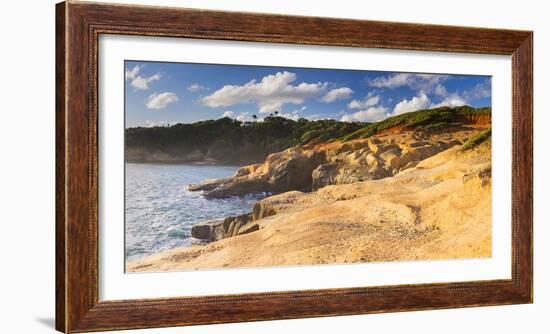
(398, 193)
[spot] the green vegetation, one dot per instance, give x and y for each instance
(439, 126)
(477, 140)
(229, 141)
(426, 119)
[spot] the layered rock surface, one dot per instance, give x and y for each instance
(213, 230)
(400, 196)
(311, 168)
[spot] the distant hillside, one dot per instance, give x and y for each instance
(229, 141)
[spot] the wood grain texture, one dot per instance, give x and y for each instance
(60, 281)
(78, 27)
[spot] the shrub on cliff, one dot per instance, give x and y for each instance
(477, 140)
(416, 119)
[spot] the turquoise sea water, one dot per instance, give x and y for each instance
(160, 211)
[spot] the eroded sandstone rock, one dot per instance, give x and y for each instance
(218, 229)
(307, 169)
(284, 171)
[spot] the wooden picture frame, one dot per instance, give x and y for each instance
(78, 27)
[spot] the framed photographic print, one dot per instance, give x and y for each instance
(222, 167)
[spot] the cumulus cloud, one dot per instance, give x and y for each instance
(424, 82)
(269, 94)
(139, 82)
(480, 91)
(143, 83)
(452, 100)
(195, 88)
(161, 100)
(228, 113)
(337, 94)
(372, 114)
(421, 101)
(369, 101)
(132, 73)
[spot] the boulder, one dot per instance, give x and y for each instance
(213, 230)
(238, 186)
(262, 209)
(284, 171)
(210, 230)
(292, 171)
(247, 170)
(272, 205)
(248, 228)
(352, 174)
(392, 158)
(324, 175)
(206, 185)
(419, 153)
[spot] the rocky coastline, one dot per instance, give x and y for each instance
(308, 168)
(380, 169)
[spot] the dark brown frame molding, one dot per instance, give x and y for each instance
(78, 26)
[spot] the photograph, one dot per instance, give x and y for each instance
(217, 165)
(238, 166)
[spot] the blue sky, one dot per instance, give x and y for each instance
(159, 93)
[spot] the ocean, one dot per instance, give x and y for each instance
(160, 211)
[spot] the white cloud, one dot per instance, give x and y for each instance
(139, 82)
(337, 94)
(143, 83)
(421, 101)
(246, 116)
(151, 124)
(369, 101)
(440, 90)
(269, 94)
(424, 82)
(372, 114)
(481, 90)
(243, 116)
(452, 100)
(132, 74)
(228, 113)
(194, 88)
(297, 111)
(160, 101)
(316, 117)
(293, 115)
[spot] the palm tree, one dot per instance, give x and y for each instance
(276, 112)
(254, 117)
